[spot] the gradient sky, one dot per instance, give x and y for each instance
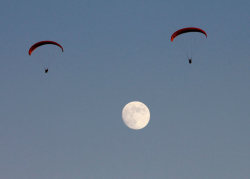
(67, 124)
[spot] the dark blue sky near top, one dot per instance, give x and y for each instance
(67, 123)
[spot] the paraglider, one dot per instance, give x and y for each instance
(187, 30)
(41, 43)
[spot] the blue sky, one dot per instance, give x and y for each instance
(67, 124)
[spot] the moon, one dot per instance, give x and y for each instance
(136, 115)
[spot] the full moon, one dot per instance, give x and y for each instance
(135, 115)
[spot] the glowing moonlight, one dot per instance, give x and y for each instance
(135, 115)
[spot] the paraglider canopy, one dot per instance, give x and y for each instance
(38, 44)
(185, 30)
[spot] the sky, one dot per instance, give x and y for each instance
(67, 123)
